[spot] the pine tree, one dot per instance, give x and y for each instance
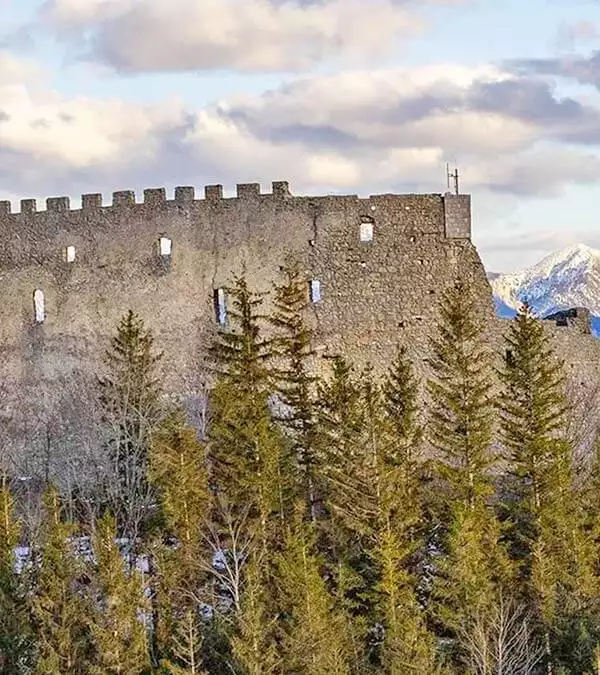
(130, 400)
(461, 422)
(373, 498)
(316, 638)
(340, 420)
(178, 470)
(15, 630)
(186, 646)
(407, 646)
(58, 607)
(389, 512)
(241, 353)
(295, 383)
(254, 646)
(401, 392)
(117, 628)
(246, 448)
(340, 423)
(548, 534)
(533, 414)
(461, 404)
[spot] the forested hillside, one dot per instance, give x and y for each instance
(340, 524)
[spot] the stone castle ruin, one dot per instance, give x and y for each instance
(375, 268)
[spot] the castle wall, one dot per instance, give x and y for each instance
(373, 294)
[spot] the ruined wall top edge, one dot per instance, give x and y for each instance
(184, 195)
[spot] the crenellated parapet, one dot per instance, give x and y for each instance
(152, 197)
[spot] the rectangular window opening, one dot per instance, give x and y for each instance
(38, 304)
(315, 290)
(70, 254)
(165, 245)
(366, 231)
(220, 306)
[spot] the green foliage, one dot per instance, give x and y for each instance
(186, 645)
(240, 352)
(117, 620)
(246, 448)
(130, 401)
(549, 532)
(474, 566)
(178, 469)
(461, 411)
(533, 414)
(16, 638)
(340, 427)
(316, 635)
(295, 383)
(254, 646)
(339, 522)
(59, 609)
(408, 646)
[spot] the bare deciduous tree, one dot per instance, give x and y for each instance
(501, 640)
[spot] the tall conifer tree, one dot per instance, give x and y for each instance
(295, 382)
(407, 644)
(316, 632)
(249, 473)
(340, 423)
(178, 470)
(16, 638)
(130, 400)
(547, 536)
(460, 425)
(186, 646)
(118, 633)
(246, 448)
(60, 612)
(374, 504)
(254, 646)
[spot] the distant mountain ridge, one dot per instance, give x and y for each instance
(563, 280)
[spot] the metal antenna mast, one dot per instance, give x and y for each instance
(452, 177)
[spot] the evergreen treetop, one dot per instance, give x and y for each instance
(461, 400)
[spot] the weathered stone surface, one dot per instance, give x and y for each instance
(374, 295)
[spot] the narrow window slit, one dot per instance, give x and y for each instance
(165, 246)
(366, 229)
(315, 290)
(38, 305)
(220, 306)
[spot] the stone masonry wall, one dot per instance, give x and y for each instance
(373, 294)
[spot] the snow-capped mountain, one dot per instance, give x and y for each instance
(569, 278)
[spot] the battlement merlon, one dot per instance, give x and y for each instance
(153, 197)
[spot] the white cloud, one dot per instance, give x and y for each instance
(81, 132)
(248, 35)
(16, 71)
(361, 131)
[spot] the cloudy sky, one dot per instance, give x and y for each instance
(336, 96)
